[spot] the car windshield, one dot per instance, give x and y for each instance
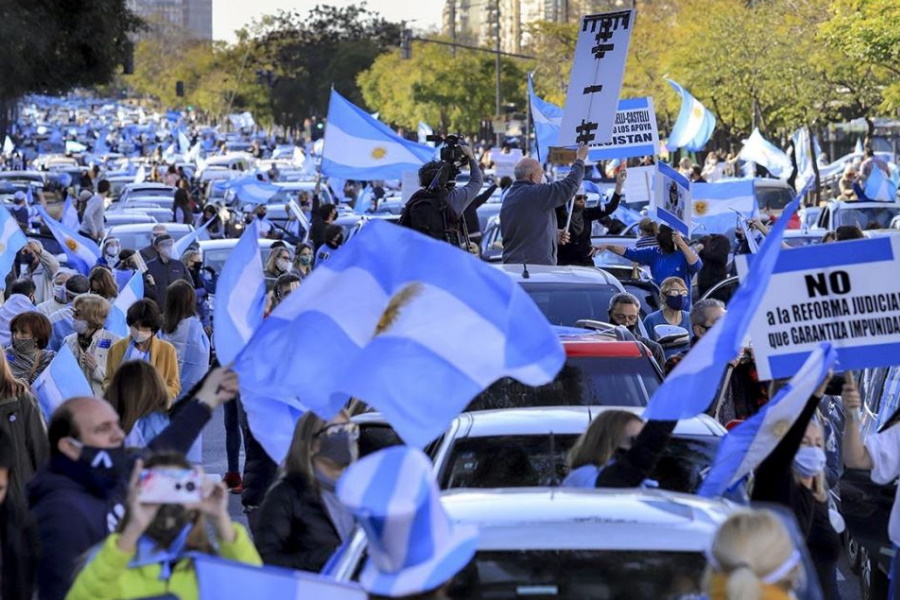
(137, 240)
(540, 460)
(583, 381)
(216, 258)
(773, 198)
(566, 304)
(870, 217)
(580, 574)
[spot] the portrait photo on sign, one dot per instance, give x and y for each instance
(675, 200)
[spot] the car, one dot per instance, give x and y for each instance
(127, 217)
(38, 178)
(568, 294)
(567, 543)
(865, 215)
(215, 252)
(139, 235)
(772, 195)
(146, 190)
(723, 290)
(139, 202)
(795, 238)
(602, 368)
(492, 241)
(292, 190)
(233, 161)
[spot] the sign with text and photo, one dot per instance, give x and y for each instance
(846, 293)
(672, 199)
(595, 82)
(634, 132)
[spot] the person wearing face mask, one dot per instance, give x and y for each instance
(19, 299)
(91, 342)
(618, 450)
(793, 475)
(40, 267)
(144, 321)
(278, 264)
(579, 250)
(148, 554)
(165, 269)
(625, 310)
(61, 322)
(301, 522)
(266, 229)
(672, 257)
(57, 299)
(284, 286)
(111, 249)
(528, 222)
(204, 280)
(182, 328)
(78, 496)
(103, 283)
(334, 237)
(28, 355)
(303, 261)
(673, 296)
(216, 229)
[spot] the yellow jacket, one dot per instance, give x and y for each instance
(162, 357)
(108, 577)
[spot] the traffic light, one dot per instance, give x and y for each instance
(179, 89)
(405, 44)
(128, 63)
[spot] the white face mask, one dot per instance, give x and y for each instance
(809, 461)
(283, 265)
(112, 250)
(139, 336)
(59, 293)
(80, 326)
(165, 251)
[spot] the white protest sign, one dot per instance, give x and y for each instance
(596, 79)
(409, 183)
(634, 132)
(672, 199)
(504, 163)
(639, 184)
(843, 293)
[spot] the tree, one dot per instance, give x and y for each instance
(553, 45)
(52, 46)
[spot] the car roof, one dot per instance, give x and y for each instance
(558, 274)
(142, 227)
(595, 519)
(230, 243)
(149, 186)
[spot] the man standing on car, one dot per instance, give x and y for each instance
(528, 221)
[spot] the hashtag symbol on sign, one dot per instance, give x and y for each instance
(599, 51)
(585, 132)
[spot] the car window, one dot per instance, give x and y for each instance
(773, 198)
(566, 304)
(376, 436)
(137, 240)
(724, 291)
(867, 218)
(216, 258)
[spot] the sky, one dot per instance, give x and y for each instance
(230, 15)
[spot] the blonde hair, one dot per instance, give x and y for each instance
(601, 440)
(669, 282)
(93, 308)
(748, 547)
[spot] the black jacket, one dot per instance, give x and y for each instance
(259, 472)
(578, 250)
(715, 253)
(473, 225)
(634, 466)
(21, 423)
(165, 274)
(19, 547)
(294, 529)
(74, 512)
(775, 483)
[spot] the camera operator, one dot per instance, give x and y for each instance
(437, 209)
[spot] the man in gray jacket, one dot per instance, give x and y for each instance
(528, 214)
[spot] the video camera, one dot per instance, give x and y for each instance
(451, 152)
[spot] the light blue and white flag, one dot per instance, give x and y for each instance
(858, 149)
(880, 187)
(8, 146)
(61, 380)
(691, 387)
(415, 342)
(82, 254)
(128, 295)
(424, 131)
(694, 125)
(73, 147)
(184, 144)
(240, 296)
(141, 175)
(100, 146)
(70, 215)
(220, 579)
(546, 118)
(182, 244)
(301, 216)
(715, 205)
(747, 445)
(254, 191)
(361, 148)
(805, 162)
(12, 239)
(750, 236)
(759, 150)
(365, 200)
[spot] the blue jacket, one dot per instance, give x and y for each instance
(662, 265)
(192, 348)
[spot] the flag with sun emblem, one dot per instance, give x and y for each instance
(81, 253)
(717, 206)
(695, 123)
(359, 147)
(413, 341)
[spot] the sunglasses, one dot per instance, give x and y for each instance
(350, 428)
(581, 197)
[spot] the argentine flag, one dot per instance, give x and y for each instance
(128, 295)
(240, 297)
(70, 215)
(423, 132)
(12, 239)
(748, 444)
(547, 118)
(182, 244)
(880, 187)
(805, 169)
(759, 150)
(417, 343)
(716, 206)
(61, 380)
(691, 387)
(694, 126)
(82, 253)
(254, 191)
(361, 148)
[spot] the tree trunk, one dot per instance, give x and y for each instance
(815, 165)
(870, 130)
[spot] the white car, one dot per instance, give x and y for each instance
(146, 190)
(215, 252)
(139, 235)
(578, 544)
(865, 215)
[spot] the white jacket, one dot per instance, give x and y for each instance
(100, 344)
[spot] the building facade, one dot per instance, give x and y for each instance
(193, 17)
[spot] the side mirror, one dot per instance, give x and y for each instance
(671, 336)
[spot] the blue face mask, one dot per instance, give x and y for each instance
(809, 461)
(675, 302)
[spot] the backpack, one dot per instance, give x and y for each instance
(428, 212)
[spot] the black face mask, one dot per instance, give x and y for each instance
(170, 522)
(106, 467)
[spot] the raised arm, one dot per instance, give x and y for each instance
(460, 198)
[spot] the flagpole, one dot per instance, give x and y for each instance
(528, 121)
